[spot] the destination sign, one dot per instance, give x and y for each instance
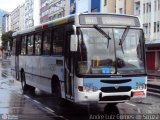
(110, 20)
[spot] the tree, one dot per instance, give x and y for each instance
(7, 37)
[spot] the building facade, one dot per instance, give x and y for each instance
(108, 6)
(15, 19)
(53, 9)
(6, 23)
(118, 6)
(150, 15)
(2, 13)
(31, 13)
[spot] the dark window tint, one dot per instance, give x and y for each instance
(23, 47)
(30, 44)
(38, 40)
(14, 47)
(46, 42)
(58, 41)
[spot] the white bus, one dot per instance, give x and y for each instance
(83, 58)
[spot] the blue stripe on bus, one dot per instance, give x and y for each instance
(96, 81)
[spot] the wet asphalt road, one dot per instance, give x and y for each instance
(43, 106)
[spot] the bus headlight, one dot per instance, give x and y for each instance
(140, 86)
(88, 88)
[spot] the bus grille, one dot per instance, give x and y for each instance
(115, 98)
(114, 89)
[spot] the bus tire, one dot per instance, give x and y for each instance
(26, 87)
(56, 91)
(23, 82)
(56, 88)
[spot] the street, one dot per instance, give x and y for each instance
(43, 106)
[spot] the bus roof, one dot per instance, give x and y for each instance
(63, 20)
(59, 21)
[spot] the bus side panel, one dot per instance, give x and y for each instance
(25, 63)
(39, 71)
(49, 66)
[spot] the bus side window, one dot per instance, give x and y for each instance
(46, 42)
(14, 47)
(38, 41)
(30, 44)
(23, 45)
(58, 41)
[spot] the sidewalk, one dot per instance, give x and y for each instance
(153, 83)
(154, 77)
(155, 73)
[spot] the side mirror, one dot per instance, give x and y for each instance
(73, 43)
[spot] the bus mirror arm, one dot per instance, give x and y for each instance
(71, 74)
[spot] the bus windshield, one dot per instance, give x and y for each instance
(99, 54)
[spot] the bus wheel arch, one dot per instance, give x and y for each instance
(55, 85)
(24, 85)
(23, 81)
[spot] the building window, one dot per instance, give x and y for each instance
(143, 8)
(158, 4)
(121, 10)
(145, 26)
(155, 26)
(149, 7)
(155, 5)
(137, 8)
(158, 26)
(105, 2)
(149, 26)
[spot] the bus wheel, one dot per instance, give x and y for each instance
(25, 87)
(56, 88)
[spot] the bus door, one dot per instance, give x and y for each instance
(69, 69)
(17, 57)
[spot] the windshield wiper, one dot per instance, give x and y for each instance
(103, 33)
(122, 39)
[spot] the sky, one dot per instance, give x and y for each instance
(10, 5)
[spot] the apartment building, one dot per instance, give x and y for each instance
(6, 23)
(150, 15)
(32, 13)
(15, 19)
(53, 9)
(118, 6)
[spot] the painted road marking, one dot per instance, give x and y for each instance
(49, 109)
(131, 104)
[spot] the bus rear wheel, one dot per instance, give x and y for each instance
(56, 91)
(56, 88)
(25, 87)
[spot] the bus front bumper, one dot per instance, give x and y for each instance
(101, 97)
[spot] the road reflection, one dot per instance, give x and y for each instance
(5, 70)
(72, 111)
(111, 112)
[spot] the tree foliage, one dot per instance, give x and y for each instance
(7, 37)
